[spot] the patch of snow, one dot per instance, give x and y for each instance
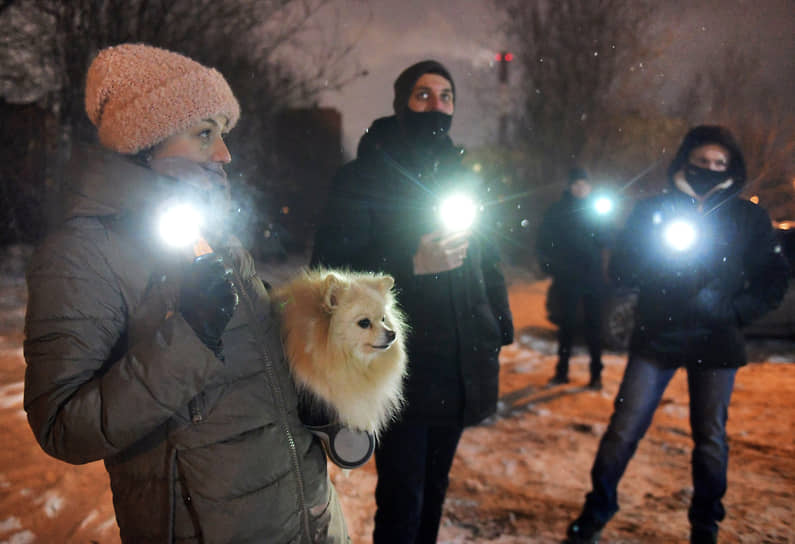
(11, 395)
(109, 523)
(53, 503)
(9, 524)
(25, 537)
(89, 518)
(782, 358)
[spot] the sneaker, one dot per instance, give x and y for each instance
(557, 379)
(595, 384)
(584, 530)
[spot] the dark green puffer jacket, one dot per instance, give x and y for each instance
(198, 450)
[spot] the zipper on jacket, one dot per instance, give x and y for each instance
(277, 391)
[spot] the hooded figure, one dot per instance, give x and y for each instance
(383, 215)
(705, 263)
(571, 247)
(166, 367)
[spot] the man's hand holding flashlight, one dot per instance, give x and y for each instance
(440, 252)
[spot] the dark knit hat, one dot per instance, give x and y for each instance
(577, 173)
(408, 78)
(710, 134)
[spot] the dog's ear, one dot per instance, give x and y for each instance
(332, 289)
(384, 283)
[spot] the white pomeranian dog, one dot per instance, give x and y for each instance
(344, 338)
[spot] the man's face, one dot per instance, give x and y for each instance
(580, 188)
(711, 156)
(432, 92)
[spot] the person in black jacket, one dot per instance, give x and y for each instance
(383, 215)
(706, 262)
(571, 246)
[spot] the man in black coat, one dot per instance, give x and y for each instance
(383, 215)
(706, 262)
(571, 246)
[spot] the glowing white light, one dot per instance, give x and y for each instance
(180, 225)
(680, 235)
(458, 212)
(603, 205)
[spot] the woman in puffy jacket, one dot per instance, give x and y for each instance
(167, 367)
(705, 262)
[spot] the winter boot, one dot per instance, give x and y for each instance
(558, 379)
(584, 530)
(595, 384)
(561, 372)
(699, 535)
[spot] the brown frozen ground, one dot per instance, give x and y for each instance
(517, 479)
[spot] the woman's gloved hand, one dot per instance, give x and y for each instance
(208, 298)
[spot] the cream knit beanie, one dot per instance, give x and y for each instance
(138, 95)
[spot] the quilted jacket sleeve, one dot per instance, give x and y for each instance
(90, 390)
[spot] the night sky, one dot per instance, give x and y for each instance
(463, 34)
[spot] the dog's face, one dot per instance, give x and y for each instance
(361, 322)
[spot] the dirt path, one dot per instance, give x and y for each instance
(516, 479)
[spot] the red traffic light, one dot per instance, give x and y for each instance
(503, 56)
(508, 57)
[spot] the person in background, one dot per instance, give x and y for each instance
(705, 262)
(383, 215)
(168, 368)
(571, 247)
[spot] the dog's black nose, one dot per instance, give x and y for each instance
(390, 335)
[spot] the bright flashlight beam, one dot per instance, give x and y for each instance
(458, 212)
(180, 225)
(603, 205)
(680, 235)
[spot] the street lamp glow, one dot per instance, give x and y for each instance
(458, 212)
(180, 225)
(680, 235)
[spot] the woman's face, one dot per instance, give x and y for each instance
(432, 92)
(711, 157)
(202, 143)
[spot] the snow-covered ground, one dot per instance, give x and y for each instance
(518, 478)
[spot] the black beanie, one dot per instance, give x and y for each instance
(577, 173)
(408, 78)
(705, 135)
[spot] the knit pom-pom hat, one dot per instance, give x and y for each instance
(138, 95)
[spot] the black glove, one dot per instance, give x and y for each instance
(713, 307)
(208, 298)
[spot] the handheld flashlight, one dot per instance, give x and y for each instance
(458, 212)
(179, 226)
(603, 205)
(680, 235)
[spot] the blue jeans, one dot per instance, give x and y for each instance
(413, 461)
(638, 397)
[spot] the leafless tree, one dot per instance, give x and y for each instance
(574, 57)
(274, 53)
(733, 93)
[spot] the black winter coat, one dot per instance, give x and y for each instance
(571, 240)
(692, 304)
(379, 207)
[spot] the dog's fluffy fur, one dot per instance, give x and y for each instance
(344, 339)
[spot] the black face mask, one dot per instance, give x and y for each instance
(426, 126)
(703, 179)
